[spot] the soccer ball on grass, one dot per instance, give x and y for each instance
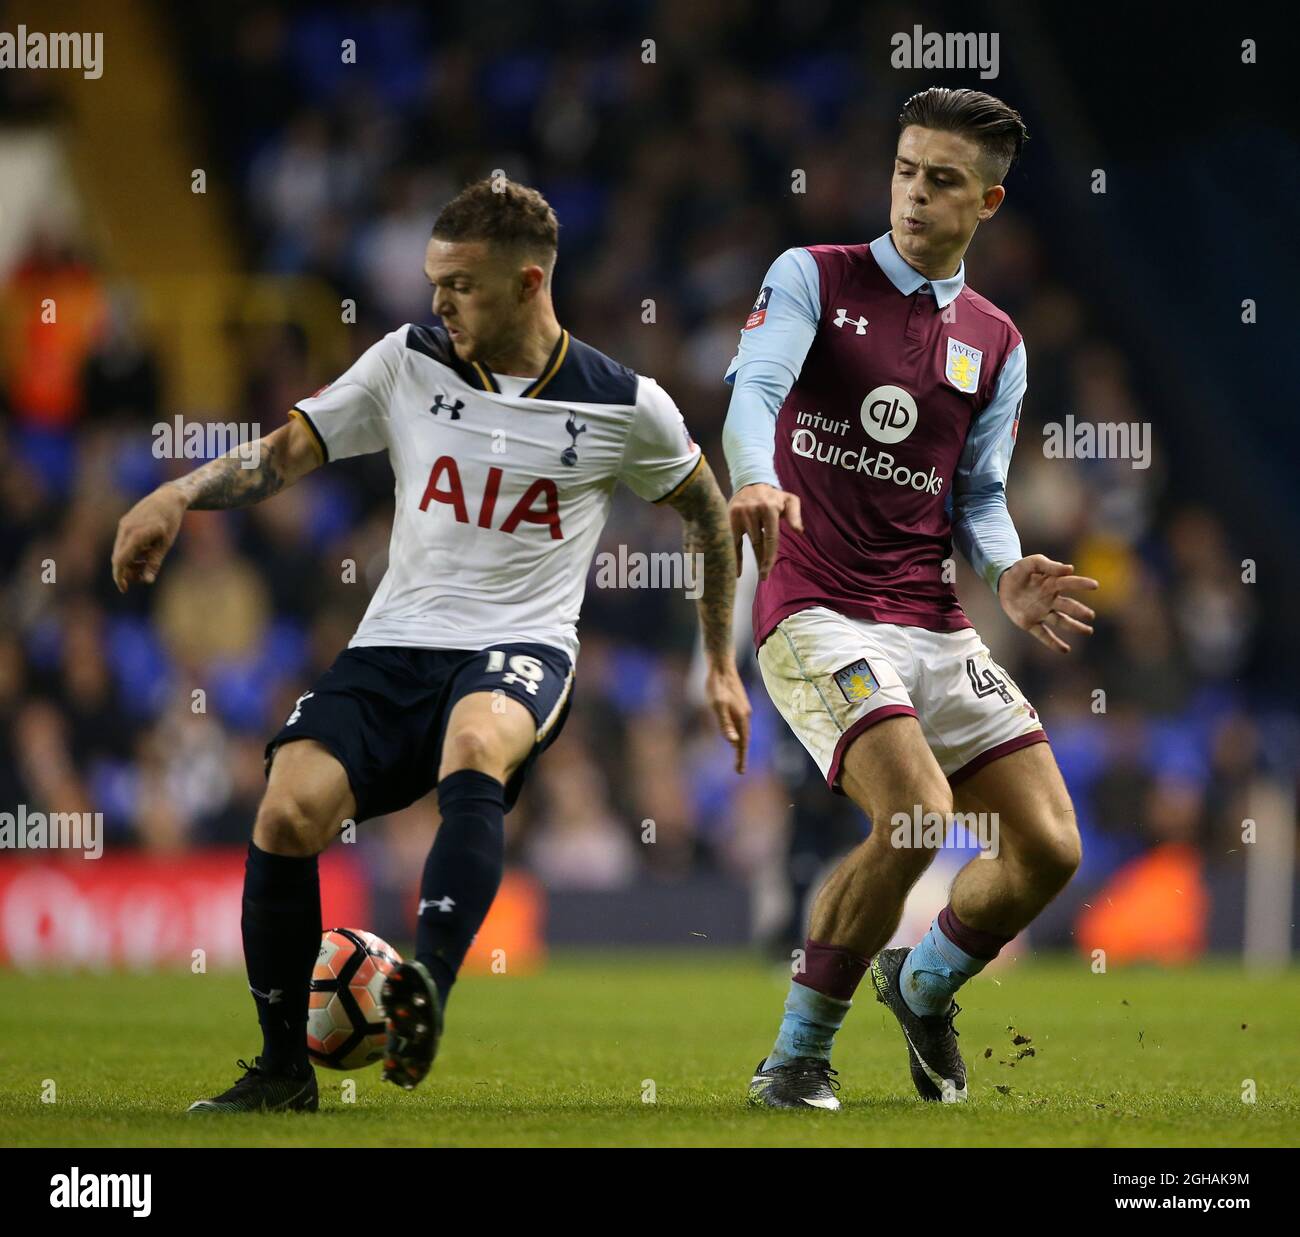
(345, 1017)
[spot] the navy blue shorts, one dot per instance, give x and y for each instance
(382, 713)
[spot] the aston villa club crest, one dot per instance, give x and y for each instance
(857, 681)
(963, 366)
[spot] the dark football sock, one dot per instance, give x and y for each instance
(461, 874)
(282, 930)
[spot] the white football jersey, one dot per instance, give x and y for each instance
(500, 493)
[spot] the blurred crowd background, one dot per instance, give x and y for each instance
(672, 183)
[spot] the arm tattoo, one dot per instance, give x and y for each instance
(224, 483)
(708, 534)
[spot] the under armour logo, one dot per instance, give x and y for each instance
(570, 454)
(842, 319)
(443, 904)
(271, 998)
(441, 405)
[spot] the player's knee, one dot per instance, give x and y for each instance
(915, 795)
(913, 833)
(471, 747)
(1067, 850)
(1056, 851)
(286, 826)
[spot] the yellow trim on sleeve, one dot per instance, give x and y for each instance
(699, 459)
(316, 439)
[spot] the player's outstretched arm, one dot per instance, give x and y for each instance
(708, 534)
(1033, 594)
(244, 476)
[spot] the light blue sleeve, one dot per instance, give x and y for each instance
(767, 363)
(981, 524)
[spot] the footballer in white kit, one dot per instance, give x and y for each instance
(502, 484)
(507, 438)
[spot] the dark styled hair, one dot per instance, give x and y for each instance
(503, 212)
(992, 125)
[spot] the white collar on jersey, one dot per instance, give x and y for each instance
(908, 279)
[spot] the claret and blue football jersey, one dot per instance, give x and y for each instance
(898, 403)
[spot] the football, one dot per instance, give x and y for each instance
(345, 1018)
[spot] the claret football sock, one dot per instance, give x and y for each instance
(819, 998)
(282, 929)
(462, 873)
(948, 955)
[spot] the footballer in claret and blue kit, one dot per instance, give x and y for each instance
(876, 398)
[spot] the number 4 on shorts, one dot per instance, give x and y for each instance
(985, 682)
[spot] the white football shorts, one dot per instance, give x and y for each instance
(832, 676)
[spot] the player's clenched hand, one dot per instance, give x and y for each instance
(145, 534)
(757, 510)
(1033, 593)
(726, 696)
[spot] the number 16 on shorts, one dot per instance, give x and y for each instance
(524, 670)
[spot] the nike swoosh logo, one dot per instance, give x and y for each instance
(830, 1102)
(945, 1086)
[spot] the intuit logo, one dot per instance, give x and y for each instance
(120, 1190)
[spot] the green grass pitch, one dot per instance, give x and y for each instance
(564, 1057)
